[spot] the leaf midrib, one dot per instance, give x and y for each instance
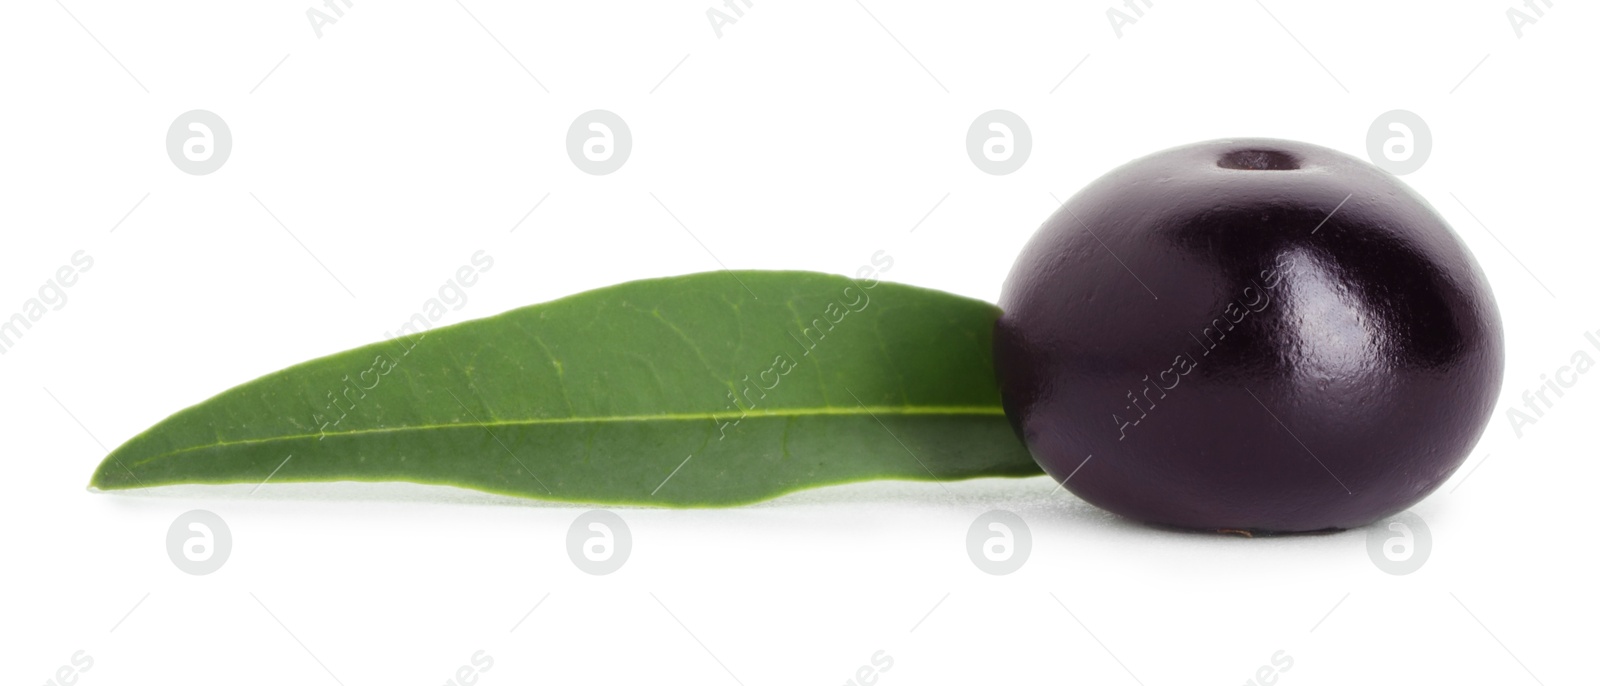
(859, 411)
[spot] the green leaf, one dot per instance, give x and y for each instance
(708, 389)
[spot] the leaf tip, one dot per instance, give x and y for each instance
(112, 475)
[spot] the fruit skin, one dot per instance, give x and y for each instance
(1364, 357)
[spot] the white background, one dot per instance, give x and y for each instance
(808, 136)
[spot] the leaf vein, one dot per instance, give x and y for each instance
(858, 411)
